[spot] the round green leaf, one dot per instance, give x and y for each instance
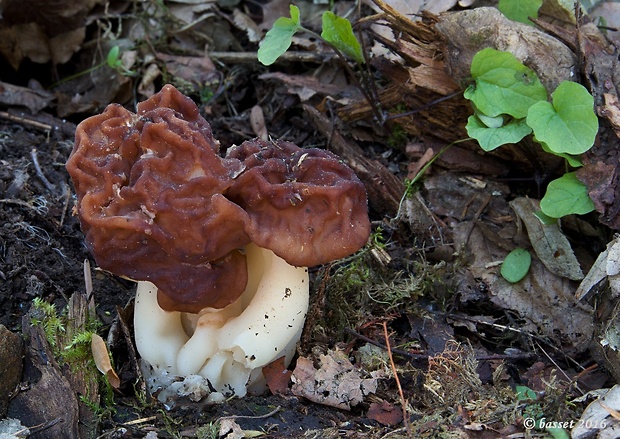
(572, 160)
(516, 265)
(569, 125)
(490, 138)
(565, 196)
(503, 85)
(279, 38)
(520, 10)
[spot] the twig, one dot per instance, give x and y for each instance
(50, 187)
(265, 416)
(139, 421)
(26, 121)
(381, 345)
(44, 426)
(65, 204)
(403, 401)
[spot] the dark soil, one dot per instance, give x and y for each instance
(42, 252)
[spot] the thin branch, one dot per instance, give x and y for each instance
(403, 401)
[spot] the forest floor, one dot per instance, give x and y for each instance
(420, 317)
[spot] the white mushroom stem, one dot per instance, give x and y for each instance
(229, 346)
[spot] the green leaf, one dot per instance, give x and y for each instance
(516, 265)
(573, 161)
(524, 392)
(503, 85)
(112, 59)
(565, 196)
(490, 138)
(279, 38)
(338, 32)
(491, 122)
(520, 10)
(569, 125)
(544, 219)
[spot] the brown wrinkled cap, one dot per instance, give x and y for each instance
(157, 202)
(150, 200)
(305, 205)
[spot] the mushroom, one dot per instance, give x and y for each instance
(219, 245)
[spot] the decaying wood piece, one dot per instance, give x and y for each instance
(60, 398)
(468, 32)
(11, 357)
(384, 189)
(49, 407)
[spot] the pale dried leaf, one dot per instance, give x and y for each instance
(102, 360)
(337, 383)
(596, 420)
(34, 100)
(257, 121)
(147, 83)
(597, 273)
(412, 7)
(274, 10)
(63, 46)
(245, 23)
(549, 242)
(195, 70)
(613, 267)
(230, 429)
(192, 14)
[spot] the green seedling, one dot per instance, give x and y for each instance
(337, 33)
(516, 265)
(510, 103)
(279, 38)
(113, 60)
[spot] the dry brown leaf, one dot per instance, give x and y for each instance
(277, 376)
(545, 301)
(307, 86)
(337, 383)
(549, 242)
(257, 122)
(194, 70)
(102, 360)
(245, 23)
(385, 413)
(33, 99)
(274, 10)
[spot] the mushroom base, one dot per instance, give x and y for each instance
(220, 353)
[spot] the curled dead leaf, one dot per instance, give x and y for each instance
(102, 360)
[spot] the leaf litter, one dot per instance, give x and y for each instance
(461, 336)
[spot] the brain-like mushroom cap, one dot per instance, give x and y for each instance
(150, 200)
(304, 204)
(158, 203)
